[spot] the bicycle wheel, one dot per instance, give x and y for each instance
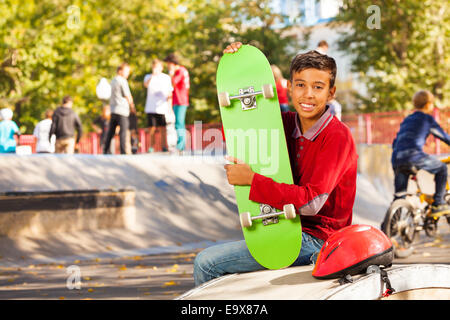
(400, 226)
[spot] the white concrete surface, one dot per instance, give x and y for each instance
(297, 283)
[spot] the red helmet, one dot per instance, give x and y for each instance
(351, 250)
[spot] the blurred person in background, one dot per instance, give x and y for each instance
(42, 132)
(8, 129)
(322, 47)
(101, 127)
(282, 91)
(64, 124)
(158, 103)
(122, 105)
(180, 97)
(407, 151)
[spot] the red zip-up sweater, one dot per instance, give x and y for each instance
(324, 163)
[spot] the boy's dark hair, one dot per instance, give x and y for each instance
(314, 60)
(421, 98)
(173, 58)
(67, 99)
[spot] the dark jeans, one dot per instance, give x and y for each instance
(117, 120)
(432, 165)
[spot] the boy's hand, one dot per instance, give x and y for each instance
(231, 48)
(239, 173)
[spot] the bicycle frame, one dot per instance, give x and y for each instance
(427, 197)
(409, 214)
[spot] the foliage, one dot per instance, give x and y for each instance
(407, 53)
(53, 48)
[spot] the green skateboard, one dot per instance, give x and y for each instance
(254, 133)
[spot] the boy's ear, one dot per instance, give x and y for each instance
(289, 85)
(331, 94)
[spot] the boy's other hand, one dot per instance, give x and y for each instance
(233, 47)
(239, 173)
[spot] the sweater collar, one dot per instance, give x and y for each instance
(316, 129)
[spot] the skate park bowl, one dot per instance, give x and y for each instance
(184, 203)
(180, 202)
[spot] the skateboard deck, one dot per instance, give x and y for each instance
(254, 133)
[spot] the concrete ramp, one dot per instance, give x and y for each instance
(186, 203)
(179, 201)
(421, 281)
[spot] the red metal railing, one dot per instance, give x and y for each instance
(368, 128)
(382, 128)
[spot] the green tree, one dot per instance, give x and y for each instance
(53, 48)
(402, 49)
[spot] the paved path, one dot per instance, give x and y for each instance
(162, 276)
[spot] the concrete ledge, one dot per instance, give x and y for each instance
(41, 212)
(407, 280)
(424, 281)
(179, 200)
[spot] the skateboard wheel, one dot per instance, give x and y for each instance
(246, 220)
(267, 90)
(289, 211)
(224, 99)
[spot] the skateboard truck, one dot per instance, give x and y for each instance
(248, 100)
(247, 96)
(267, 211)
(268, 215)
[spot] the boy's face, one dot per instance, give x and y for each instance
(429, 107)
(157, 68)
(125, 72)
(310, 91)
(171, 66)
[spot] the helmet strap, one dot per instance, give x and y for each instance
(384, 277)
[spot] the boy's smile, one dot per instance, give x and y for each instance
(310, 92)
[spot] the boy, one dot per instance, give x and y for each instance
(407, 150)
(323, 161)
(42, 131)
(122, 104)
(180, 97)
(322, 47)
(101, 127)
(158, 103)
(64, 124)
(8, 129)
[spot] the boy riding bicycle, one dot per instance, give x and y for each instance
(408, 150)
